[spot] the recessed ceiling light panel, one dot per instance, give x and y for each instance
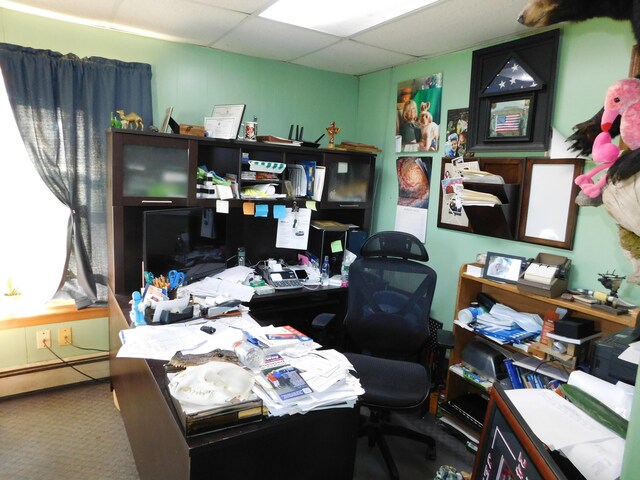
(340, 17)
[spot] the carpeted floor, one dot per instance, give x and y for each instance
(77, 433)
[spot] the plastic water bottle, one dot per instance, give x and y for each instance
(325, 271)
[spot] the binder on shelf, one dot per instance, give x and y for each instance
(310, 174)
(318, 184)
(514, 374)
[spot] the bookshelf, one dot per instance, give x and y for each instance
(459, 384)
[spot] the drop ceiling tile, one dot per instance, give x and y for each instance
(447, 26)
(264, 38)
(245, 6)
(353, 58)
(76, 8)
(184, 20)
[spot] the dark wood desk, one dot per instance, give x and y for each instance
(318, 445)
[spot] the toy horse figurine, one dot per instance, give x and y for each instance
(623, 100)
(131, 119)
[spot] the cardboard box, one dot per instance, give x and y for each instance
(557, 286)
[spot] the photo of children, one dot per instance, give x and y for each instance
(456, 136)
(418, 114)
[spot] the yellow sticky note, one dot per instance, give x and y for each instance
(336, 246)
(249, 208)
(311, 205)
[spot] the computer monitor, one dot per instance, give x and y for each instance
(189, 240)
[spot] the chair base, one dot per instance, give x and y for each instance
(375, 430)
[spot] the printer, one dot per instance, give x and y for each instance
(606, 364)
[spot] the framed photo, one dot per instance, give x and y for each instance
(509, 120)
(457, 131)
(225, 121)
(501, 267)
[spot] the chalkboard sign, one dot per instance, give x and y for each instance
(508, 448)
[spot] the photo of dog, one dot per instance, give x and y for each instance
(428, 128)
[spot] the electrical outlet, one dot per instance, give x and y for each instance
(43, 337)
(64, 336)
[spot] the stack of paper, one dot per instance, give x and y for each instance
(317, 380)
(471, 197)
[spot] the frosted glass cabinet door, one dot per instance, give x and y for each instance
(155, 172)
(348, 180)
(151, 169)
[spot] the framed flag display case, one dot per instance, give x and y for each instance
(511, 94)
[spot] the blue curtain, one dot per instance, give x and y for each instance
(63, 105)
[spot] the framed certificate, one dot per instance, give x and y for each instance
(224, 121)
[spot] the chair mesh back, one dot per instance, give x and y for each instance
(394, 244)
(389, 304)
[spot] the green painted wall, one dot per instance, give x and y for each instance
(581, 82)
(193, 79)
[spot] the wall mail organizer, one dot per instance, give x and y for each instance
(524, 199)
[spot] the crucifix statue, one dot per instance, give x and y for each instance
(332, 130)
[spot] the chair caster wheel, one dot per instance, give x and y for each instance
(431, 453)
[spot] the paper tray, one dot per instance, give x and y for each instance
(219, 418)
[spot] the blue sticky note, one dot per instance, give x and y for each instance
(262, 210)
(279, 211)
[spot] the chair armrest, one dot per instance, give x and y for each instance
(445, 338)
(322, 321)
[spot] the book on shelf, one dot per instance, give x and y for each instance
(464, 372)
(310, 173)
(504, 334)
(280, 380)
(318, 184)
(514, 374)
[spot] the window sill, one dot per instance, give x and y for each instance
(17, 314)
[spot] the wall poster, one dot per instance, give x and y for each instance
(418, 108)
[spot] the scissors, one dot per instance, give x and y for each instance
(176, 279)
(148, 278)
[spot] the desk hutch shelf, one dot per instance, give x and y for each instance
(159, 171)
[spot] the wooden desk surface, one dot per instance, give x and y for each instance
(318, 445)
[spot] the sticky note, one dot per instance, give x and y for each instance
(336, 246)
(262, 210)
(279, 211)
(311, 205)
(248, 208)
(222, 206)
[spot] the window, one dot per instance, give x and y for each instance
(34, 222)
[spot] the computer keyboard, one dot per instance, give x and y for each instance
(286, 284)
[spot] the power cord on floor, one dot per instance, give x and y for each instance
(99, 380)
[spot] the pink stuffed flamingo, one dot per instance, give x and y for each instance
(622, 99)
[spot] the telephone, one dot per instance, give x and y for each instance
(284, 279)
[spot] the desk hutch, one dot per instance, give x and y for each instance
(150, 171)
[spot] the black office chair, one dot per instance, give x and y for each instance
(387, 324)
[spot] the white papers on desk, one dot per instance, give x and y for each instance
(161, 342)
(594, 449)
(227, 282)
(618, 397)
(327, 373)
